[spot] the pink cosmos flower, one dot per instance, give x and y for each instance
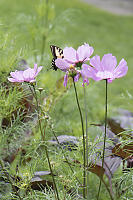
(27, 75)
(106, 68)
(70, 70)
(65, 67)
(86, 73)
(82, 54)
(74, 59)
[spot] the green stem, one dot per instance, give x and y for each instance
(37, 104)
(106, 96)
(47, 11)
(9, 179)
(46, 150)
(65, 156)
(108, 190)
(34, 47)
(87, 164)
(43, 48)
(84, 156)
(44, 35)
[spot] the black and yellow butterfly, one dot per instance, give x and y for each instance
(57, 52)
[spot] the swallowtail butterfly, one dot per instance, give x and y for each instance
(57, 52)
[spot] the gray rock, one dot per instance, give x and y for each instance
(122, 122)
(42, 173)
(66, 141)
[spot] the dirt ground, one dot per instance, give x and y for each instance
(120, 7)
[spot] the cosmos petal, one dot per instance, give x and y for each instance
(121, 69)
(65, 79)
(62, 64)
(108, 62)
(95, 62)
(84, 52)
(70, 54)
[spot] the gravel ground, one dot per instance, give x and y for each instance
(120, 7)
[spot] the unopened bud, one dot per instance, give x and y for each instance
(40, 89)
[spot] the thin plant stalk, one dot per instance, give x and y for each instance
(9, 179)
(106, 109)
(43, 47)
(46, 16)
(86, 121)
(111, 197)
(34, 47)
(84, 156)
(65, 156)
(37, 104)
(46, 150)
(44, 35)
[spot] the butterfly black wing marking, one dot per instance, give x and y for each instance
(57, 52)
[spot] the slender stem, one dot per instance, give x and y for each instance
(65, 155)
(55, 187)
(84, 156)
(37, 104)
(111, 197)
(34, 47)
(44, 35)
(46, 150)
(9, 179)
(106, 96)
(43, 48)
(86, 121)
(47, 11)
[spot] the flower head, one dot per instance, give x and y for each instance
(72, 61)
(68, 68)
(27, 75)
(71, 70)
(82, 54)
(86, 73)
(106, 68)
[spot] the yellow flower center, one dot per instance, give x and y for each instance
(71, 67)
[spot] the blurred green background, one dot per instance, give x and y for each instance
(28, 28)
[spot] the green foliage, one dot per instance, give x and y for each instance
(9, 55)
(9, 101)
(124, 184)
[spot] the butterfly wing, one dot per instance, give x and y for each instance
(57, 52)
